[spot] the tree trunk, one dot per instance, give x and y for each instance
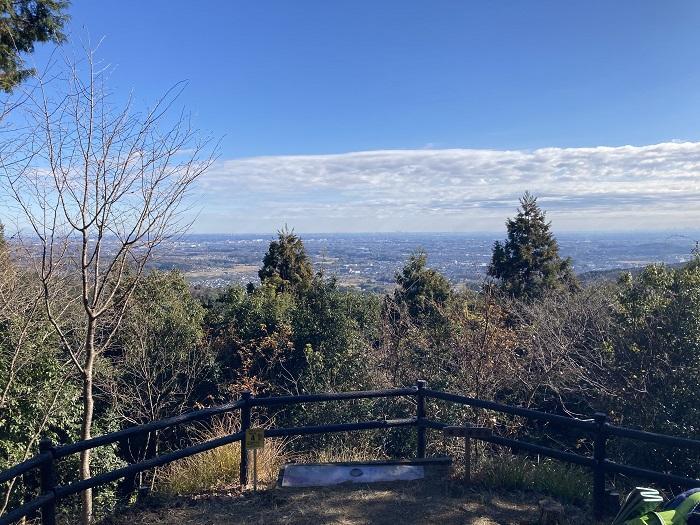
(85, 454)
(88, 409)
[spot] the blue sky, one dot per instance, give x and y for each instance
(521, 92)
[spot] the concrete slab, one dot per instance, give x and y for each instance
(328, 474)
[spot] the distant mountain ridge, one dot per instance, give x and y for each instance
(614, 274)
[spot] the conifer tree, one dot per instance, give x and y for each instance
(286, 264)
(528, 262)
(421, 290)
(23, 23)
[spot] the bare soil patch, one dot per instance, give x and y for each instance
(381, 503)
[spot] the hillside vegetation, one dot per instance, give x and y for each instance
(533, 336)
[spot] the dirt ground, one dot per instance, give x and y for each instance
(419, 502)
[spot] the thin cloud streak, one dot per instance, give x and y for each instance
(606, 188)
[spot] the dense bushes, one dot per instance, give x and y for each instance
(655, 347)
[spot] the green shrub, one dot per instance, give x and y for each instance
(567, 483)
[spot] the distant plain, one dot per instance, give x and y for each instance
(368, 261)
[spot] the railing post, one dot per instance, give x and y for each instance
(420, 417)
(599, 467)
(245, 425)
(48, 483)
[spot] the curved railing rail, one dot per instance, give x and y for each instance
(597, 427)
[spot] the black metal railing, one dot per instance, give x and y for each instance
(597, 427)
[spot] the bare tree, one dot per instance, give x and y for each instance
(564, 354)
(472, 353)
(100, 187)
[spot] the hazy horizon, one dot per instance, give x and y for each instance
(371, 259)
(690, 233)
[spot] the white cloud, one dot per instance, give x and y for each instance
(654, 186)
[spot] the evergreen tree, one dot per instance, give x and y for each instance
(336, 329)
(655, 346)
(422, 291)
(23, 23)
(250, 334)
(286, 265)
(528, 262)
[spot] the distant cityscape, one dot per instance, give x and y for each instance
(369, 261)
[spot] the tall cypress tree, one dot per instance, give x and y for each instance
(286, 264)
(528, 262)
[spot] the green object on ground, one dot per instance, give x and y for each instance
(676, 516)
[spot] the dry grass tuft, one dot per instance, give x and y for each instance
(220, 468)
(344, 452)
